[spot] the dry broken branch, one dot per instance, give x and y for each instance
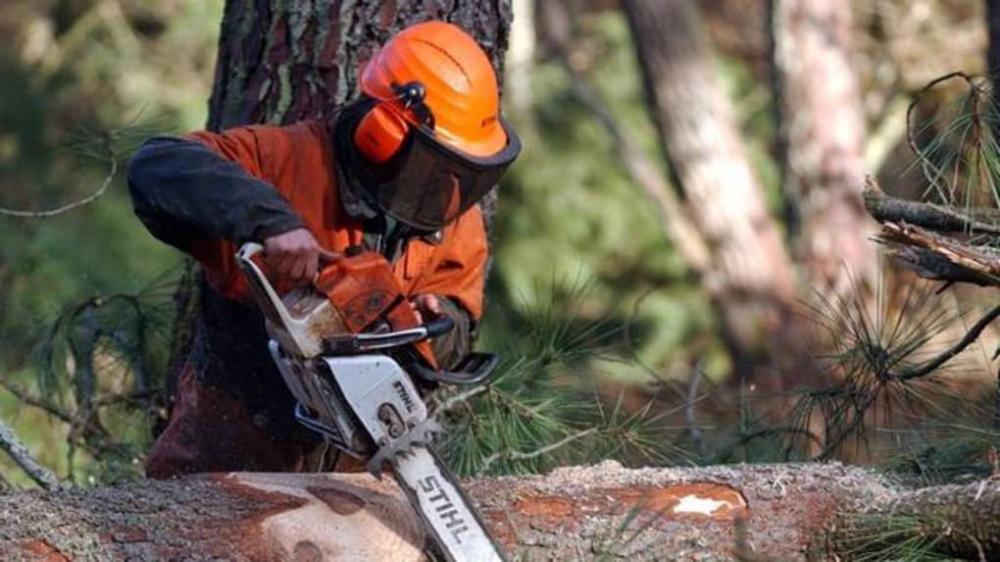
(106, 147)
(939, 257)
(23, 457)
(938, 242)
(940, 218)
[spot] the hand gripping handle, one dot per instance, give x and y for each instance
(267, 298)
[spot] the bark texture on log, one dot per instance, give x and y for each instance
(782, 512)
(821, 132)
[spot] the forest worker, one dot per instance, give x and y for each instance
(398, 170)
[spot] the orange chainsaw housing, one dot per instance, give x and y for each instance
(363, 289)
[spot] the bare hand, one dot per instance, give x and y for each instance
(296, 255)
(426, 305)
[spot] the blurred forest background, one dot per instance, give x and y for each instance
(682, 244)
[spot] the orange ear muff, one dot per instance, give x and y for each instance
(380, 133)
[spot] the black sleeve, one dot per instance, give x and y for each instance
(451, 348)
(182, 190)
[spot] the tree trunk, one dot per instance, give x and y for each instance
(821, 139)
(281, 62)
(775, 512)
(993, 49)
(751, 277)
(521, 58)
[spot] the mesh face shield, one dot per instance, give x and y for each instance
(426, 184)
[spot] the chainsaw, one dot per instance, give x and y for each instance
(354, 354)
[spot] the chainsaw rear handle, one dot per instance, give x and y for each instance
(276, 311)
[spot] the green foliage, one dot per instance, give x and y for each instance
(544, 409)
(957, 150)
(76, 74)
(874, 346)
(563, 215)
(880, 538)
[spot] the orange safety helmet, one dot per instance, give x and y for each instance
(460, 87)
(428, 126)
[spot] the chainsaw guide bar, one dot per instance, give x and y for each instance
(362, 400)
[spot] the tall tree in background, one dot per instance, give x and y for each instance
(993, 49)
(821, 139)
(751, 277)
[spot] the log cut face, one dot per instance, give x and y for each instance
(774, 512)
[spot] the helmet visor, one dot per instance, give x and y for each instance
(428, 184)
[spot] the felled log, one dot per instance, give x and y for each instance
(776, 512)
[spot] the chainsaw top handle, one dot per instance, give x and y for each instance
(276, 312)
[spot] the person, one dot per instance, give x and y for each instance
(399, 170)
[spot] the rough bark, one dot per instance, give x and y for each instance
(775, 512)
(751, 279)
(280, 62)
(821, 139)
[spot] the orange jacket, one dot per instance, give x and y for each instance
(298, 161)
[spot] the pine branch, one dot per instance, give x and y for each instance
(22, 456)
(108, 150)
(30, 400)
(453, 401)
(522, 456)
(936, 363)
(885, 208)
